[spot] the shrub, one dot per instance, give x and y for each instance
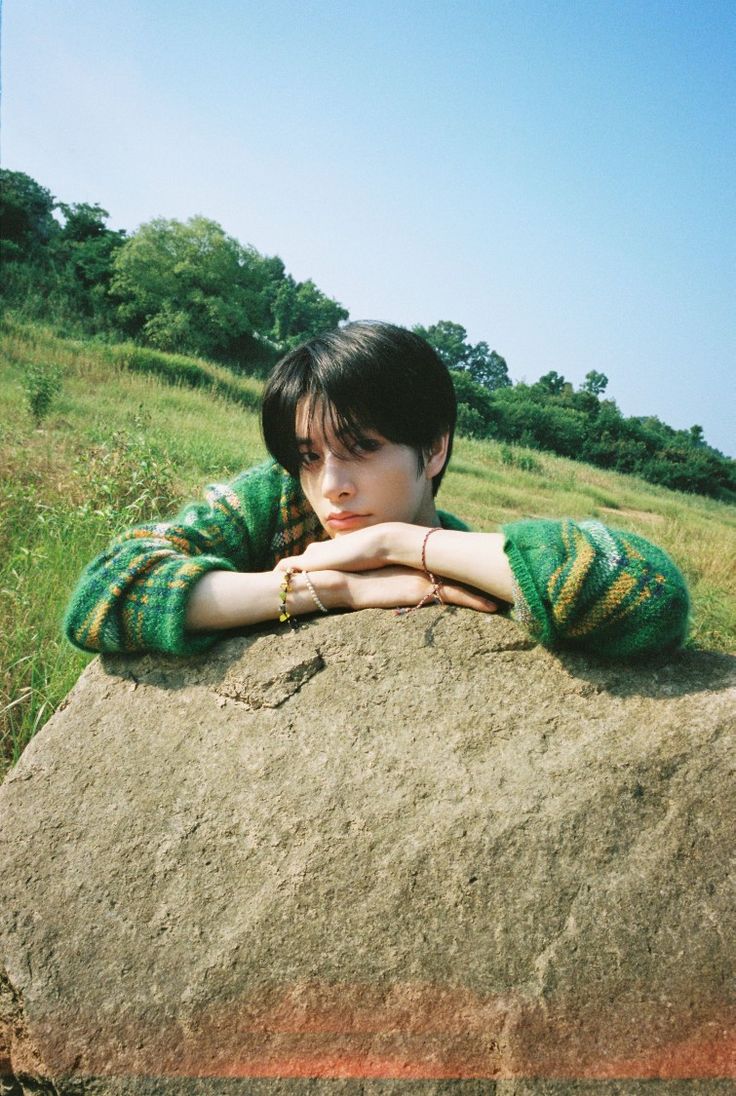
(41, 385)
(470, 422)
(516, 458)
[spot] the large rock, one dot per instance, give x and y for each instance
(382, 853)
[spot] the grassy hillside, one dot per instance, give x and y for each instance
(133, 433)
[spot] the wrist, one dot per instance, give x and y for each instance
(402, 544)
(411, 543)
(330, 586)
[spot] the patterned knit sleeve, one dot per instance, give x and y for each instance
(582, 585)
(133, 597)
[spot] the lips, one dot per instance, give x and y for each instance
(345, 519)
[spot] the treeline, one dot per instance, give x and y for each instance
(189, 288)
(184, 287)
(582, 424)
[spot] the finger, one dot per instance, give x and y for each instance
(293, 563)
(468, 599)
(328, 557)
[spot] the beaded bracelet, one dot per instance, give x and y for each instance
(285, 616)
(313, 592)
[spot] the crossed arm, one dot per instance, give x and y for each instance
(168, 587)
(376, 567)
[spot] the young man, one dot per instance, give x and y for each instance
(360, 424)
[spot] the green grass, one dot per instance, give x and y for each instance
(124, 443)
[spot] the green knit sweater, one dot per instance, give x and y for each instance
(575, 583)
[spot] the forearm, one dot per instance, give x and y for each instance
(225, 599)
(475, 559)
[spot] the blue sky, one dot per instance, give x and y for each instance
(555, 176)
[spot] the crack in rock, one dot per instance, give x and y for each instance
(270, 676)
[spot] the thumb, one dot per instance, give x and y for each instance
(291, 563)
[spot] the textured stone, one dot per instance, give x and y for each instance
(379, 854)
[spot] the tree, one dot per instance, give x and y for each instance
(488, 368)
(84, 221)
(450, 341)
(473, 395)
(595, 383)
(470, 422)
(301, 310)
(83, 251)
(26, 215)
(551, 382)
(189, 287)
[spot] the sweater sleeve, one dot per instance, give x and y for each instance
(133, 596)
(582, 585)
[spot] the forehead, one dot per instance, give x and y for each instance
(304, 418)
(318, 420)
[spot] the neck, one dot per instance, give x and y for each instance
(427, 513)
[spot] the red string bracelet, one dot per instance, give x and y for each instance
(427, 535)
(433, 594)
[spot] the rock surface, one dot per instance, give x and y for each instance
(379, 854)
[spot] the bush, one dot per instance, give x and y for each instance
(516, 458)
(41, 385)
(470, 422)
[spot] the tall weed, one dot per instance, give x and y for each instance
(125, 480)
(515, 457)
(41, 385)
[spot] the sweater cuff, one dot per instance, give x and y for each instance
(599, 589)
(529, 607)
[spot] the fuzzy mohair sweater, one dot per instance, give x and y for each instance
(576, 583)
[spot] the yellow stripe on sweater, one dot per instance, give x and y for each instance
(558, 570)
(606, 606)
(93, 622)
(585, 554)
(627, 610)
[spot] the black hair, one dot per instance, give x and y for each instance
(363, 376)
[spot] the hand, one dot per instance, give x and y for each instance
(363, 550)
(404, 587)
(390, 549)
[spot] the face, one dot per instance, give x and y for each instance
(351, 490)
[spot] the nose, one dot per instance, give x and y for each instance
(337, 481)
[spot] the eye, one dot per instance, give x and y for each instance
(362, 446)
(307, 457)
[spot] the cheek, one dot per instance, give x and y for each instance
(309, 487)
(401, 484)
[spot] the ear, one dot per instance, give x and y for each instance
(437, 456)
